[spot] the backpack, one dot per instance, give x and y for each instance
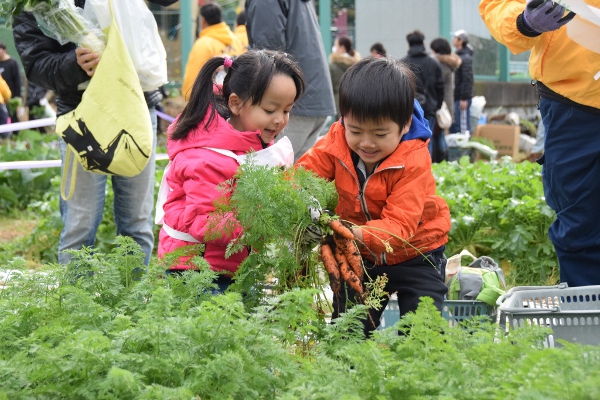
(482, 280)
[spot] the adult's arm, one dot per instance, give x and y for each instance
(500, 16)
(439, 87)
(466, 87)
(266, 23)
(47, 63)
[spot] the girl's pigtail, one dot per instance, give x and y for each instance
(202, 100)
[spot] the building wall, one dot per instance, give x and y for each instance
(389, 21)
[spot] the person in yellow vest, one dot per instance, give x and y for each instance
(240, 29)
(5, 95)
(216, 38)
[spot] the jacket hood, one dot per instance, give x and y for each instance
(417, 50)
(221, 31)
(220, 135)
(419, 127)
(345, 59)
(451, 60)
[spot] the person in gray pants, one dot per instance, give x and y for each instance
(292, 26)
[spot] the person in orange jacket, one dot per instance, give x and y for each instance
(5, 95)
(216, 39)
(377, 155)
(566, 75)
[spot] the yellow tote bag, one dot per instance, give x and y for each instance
(110, 131)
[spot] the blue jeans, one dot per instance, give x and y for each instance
(570, 172)
(462, 118)
(133, 206)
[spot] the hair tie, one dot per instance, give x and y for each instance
(227, 62)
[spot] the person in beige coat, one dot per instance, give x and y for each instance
(342, 57)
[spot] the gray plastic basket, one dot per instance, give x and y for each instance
(454, 311)
(573, 314)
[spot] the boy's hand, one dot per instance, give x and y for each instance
(87, 60)
(545, 16)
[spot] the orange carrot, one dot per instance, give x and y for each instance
(331, 266)
(347, 273)
(352, 255)
(339, 228)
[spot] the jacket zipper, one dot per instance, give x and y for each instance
(361, 198)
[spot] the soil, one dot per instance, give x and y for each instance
(12, 229)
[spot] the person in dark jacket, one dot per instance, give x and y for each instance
(292, 26)
(63, 69)
(430, 84)
(448, 63)
(463, 83)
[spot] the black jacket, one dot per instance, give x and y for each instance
(54, 66)
(430, 83)
(463, 76)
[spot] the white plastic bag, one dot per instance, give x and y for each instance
(584, 29)
(140, 33)
(443, 116)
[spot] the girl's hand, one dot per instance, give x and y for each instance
(87, 60)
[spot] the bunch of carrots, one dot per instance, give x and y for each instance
(341, 258)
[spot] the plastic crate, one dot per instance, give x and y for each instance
(573, 314)
(454, 311)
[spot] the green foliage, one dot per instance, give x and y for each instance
(498, 209)
(272, 206)
(95, 329)
(18, 188)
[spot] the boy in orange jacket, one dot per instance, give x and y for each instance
(378, 156)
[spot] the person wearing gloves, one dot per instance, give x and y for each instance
(377, 156)
(566, 77)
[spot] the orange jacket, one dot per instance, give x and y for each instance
(4, 91)
(557, 61)
(399, 197)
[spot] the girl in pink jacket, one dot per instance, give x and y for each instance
(247, 113)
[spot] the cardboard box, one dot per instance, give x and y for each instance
(505, 137)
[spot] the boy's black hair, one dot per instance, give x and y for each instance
(248, 77)
(211, 13)
(440, 46)
(377, 89)
(415, 38)
(2, 45)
